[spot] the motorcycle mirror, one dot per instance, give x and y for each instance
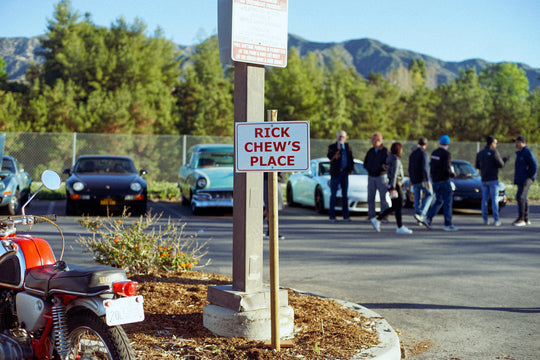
(51, 180)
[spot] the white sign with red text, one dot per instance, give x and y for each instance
(271, 146)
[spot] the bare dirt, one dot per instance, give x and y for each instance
(173, 325)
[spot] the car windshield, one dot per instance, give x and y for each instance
(464, 170)
(324, 169)
(215, 159)
(105, 165)
(7, 165)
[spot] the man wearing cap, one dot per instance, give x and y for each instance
(441, 172)
(419, 177)
(374, 163)
(524, 175)
(341, 165)
(489, 161)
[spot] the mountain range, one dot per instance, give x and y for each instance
(366, 55)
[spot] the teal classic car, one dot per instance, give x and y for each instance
(206, 178)
(14, 185)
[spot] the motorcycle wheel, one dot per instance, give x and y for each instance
(90, 338)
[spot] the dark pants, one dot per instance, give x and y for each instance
(397, 204)
(522, 197)
(335, 182)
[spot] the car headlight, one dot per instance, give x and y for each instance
(201, 183)
(135, 186)
(78, 186)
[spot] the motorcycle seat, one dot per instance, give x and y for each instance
(76, 280)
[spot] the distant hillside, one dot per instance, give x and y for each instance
(365, 55)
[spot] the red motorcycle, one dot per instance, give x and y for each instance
(52, 310)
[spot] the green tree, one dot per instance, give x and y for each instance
(10, 112)
(464, 109)
(3, 73)
(509, 91)
(205, 97)
(295, 91)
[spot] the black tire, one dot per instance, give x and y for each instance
(70, 208)
(319, 201)
(185, 200)
(14, 205)
(290, 198)
(108, 342)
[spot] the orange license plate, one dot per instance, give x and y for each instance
(108, 202)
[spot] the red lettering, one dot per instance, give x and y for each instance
(284, 132)
(290, 160)
(246, 147)
(296, 146)
(258, 132)
(254, 160)
(258, 147)
(280, 146)
(268, 146)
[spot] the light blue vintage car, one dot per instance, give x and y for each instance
(14, 185)
(206, 179)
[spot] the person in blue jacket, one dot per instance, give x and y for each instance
(524, 175)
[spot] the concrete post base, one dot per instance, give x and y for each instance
(232, 313)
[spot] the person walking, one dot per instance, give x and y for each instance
(525, 171)
(375, 165)
(441, 171)
(419, 178)
(341, 165)
(489, 161)
(395, 180)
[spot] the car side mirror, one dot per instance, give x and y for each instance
(143, 172)
(67, 172)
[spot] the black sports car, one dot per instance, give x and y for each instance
(105, 182)
(467, 186)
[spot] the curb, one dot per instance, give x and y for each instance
(389, 347)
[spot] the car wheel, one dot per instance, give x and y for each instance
(71, 209)
(319, 200)
(14, 204)
(185, 200)
(290, 199)
(194, 209)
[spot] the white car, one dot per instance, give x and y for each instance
(312, 188)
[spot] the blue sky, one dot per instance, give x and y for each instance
(493, 30)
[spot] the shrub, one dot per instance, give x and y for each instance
(141, 246)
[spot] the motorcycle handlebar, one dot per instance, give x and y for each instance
(27, 220)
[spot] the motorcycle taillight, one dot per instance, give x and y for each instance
(125, 288)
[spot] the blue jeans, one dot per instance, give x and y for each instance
(490, 189)
(421, 206)
(335, 182)
(443, 196)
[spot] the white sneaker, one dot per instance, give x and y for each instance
(403, 230)
(376, 224)
(497, 223)
(450, 228)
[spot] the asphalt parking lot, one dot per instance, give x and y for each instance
(472, 294)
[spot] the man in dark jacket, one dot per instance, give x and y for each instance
(419, 178)
(524, 175)
(489, 161)
(441, 172)
(375, 164)
(341, 165)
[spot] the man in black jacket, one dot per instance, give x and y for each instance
(441, 171)
(419, 178)
(374, 163)
(489, 162)
(341, 165)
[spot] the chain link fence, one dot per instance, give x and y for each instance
(162, 155)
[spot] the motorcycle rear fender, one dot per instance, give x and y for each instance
(94, 304)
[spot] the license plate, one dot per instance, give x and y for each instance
(108, 202)
(124, 310)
